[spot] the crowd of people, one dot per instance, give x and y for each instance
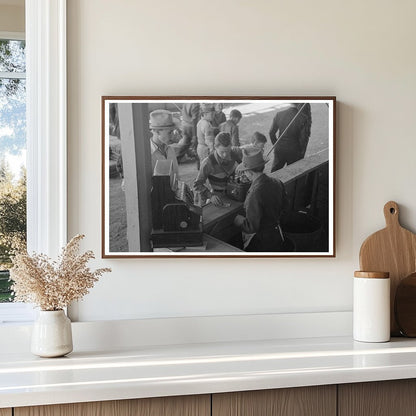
(207, 136)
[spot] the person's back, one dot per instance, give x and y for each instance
(205, 132)
(293, 130)
(271, 193)
(187, 145)
(190, 113)
(283, 119)
(218, 118)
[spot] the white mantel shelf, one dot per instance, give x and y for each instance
(151, 371)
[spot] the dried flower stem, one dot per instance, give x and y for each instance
(53, 285)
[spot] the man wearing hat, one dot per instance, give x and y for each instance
(205, 131)
(162, 125)
(264, 204)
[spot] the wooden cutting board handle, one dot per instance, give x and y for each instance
(391, 214)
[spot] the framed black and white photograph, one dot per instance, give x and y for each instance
(218, 176)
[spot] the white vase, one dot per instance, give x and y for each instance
(52, 334)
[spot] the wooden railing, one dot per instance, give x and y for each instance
(306, 183)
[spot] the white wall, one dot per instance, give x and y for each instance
(360, 51)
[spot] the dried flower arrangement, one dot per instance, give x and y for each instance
(52, 285)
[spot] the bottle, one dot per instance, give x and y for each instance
(371, 306)
(198, 199)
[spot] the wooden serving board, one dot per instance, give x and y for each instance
(393, 250)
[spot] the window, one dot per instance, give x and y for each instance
(12, 155)
(46, 135)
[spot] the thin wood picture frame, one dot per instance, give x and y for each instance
(162, 172)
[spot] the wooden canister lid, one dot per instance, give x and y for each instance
(372, 275)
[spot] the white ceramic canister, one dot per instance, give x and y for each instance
(371, 309)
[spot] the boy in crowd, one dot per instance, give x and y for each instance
(258, 141)
(231, 127)
(217, 169)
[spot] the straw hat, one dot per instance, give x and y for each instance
(162, 120)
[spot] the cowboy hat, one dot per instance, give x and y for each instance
(252, 158)
(162, 120)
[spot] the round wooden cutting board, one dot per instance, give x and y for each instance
(393, 250)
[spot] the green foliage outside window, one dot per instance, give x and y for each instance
(12, 223)
(12, 145)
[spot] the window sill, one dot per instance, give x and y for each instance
(16, 313)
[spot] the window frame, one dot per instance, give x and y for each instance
(46, 125)
(46, 121)
(12, 35)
